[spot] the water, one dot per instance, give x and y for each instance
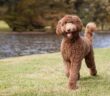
(19, 44)
(101, 40)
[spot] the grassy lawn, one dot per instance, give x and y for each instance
(4, 27)
(43, 75)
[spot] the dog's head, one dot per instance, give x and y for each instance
(69, 25)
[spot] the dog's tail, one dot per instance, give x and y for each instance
(90, 28)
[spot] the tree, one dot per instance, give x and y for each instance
(33, 14)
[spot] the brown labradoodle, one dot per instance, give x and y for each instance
(74, 47)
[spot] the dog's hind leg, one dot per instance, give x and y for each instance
(90, 62)
(79, 76)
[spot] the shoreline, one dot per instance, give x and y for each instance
(45, 33)
(26, 33)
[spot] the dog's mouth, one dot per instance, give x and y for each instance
(69, 35)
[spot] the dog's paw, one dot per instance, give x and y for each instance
(93, 72)
(72, 86)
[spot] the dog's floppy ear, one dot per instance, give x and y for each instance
(81, 26)
(58, 28)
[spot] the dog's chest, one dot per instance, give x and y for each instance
(72, 50)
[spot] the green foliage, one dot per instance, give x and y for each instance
(97, 10)
(28, 15)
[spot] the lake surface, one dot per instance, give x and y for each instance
(26, 44)
(101, 40)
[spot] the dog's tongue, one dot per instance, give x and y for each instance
(69, 35)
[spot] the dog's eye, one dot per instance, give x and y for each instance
(77, 21)
(72, 22)
(65, 22)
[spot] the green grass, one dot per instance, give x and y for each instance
(4, 27)
(43, 75)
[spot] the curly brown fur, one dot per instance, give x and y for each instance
(74, 47)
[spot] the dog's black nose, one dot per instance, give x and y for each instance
(68, 30)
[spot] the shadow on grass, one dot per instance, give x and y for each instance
(97, 77)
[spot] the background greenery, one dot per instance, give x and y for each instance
(43, 75)
(42, 15)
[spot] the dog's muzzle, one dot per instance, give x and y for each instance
(69, 27)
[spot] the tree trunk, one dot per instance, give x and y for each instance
(102, 26)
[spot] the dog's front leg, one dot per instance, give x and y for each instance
(67, 65)
(74, 71)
